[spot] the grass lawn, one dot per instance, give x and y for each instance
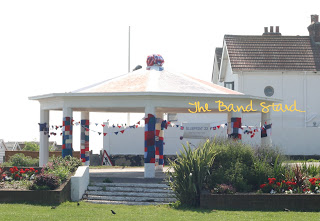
(88, 211)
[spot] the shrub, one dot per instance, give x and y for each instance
(243, 167)
(31, 146)
(21, 160)
(61, 172)
(72, 163)
(62, 167)
(233, 165)
(46, 181)
(191, 170)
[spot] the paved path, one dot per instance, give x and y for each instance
(126, 175)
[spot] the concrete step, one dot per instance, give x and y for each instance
(136, 194)
(141, 185)
(129, 189)
(129, 193)
(122, 202)
(131, 199)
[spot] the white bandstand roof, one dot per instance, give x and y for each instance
(132, 92)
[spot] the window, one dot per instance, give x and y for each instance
(229, 85)
(268, 91)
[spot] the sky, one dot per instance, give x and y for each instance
(60, 46)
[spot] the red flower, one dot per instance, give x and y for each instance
(278, 184)
(312, 180)
(32, 169)
(11, 170)
(289, 188)
(294, 183)
(22, 171)
(36, 171)
(283, 181)
(271, 180)
(262, 186)
(26, 170)
(288, 183)
(313, 183)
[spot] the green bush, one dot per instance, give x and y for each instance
(245, 167)
(62, 167)
(20, 160)
(191, 170)
(233, 165)
(31, 146)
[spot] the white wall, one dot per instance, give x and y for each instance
(229, 77)
(297, 141)
(131, 142)
(288, 86)
(79, 183)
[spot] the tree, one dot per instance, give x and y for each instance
(31, 146)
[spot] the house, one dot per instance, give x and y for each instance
(282, 67)
(3, 149)
(12, 145)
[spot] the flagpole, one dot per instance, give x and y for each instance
(129, 52)
(128, 115)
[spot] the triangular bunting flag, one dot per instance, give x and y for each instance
(104, 134)
(103, 125)
(218, 126)
(119, 126)
(99, 133)
(122, 131)
(136, 126)
(138, 123)
(116, 133)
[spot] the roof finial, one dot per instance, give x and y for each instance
(155, 62)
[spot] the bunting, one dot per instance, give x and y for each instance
(246, 130)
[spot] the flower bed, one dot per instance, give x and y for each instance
(297, 202)
(54, 177)
(59, 195)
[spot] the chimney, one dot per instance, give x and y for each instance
(314, 18)
(271, 31)
(314, 29)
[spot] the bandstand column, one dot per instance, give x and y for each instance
(266, 129)
(149, 142)
(84, 138)
(159, 139)
(67, 132)
(234, 125)
(44, 138)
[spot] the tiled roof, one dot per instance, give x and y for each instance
(295, 53)
(156, 81)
